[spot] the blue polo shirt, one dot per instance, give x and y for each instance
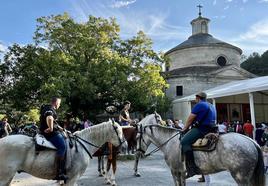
(200, 110)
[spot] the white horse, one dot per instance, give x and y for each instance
(238, 154)
(152, 119)
(17, 153)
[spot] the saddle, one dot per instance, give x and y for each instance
(41, 143)
(208, 143)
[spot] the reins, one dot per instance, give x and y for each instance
(158, 147)
(80, 141)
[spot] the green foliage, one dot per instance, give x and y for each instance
(33, 115)
(257, 64)
(2, 116)
(87, 64)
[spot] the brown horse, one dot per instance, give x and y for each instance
(130, 134)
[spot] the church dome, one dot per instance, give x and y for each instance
(202, 49)
(202, 39)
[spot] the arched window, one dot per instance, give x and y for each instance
(204, 28)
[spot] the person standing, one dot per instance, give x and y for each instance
(202, 120)
(222, 128)
(124, 117)
(248, 129)
(5, 128)
(52, 132)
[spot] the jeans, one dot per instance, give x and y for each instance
(59, 142)
(124, 123)
(189, 138)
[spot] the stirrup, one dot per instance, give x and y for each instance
(192, 171)
(201, 179)
(190, 174)
(62, 177)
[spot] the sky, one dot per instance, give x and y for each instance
(243, 23)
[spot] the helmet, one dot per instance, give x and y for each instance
(202, 95)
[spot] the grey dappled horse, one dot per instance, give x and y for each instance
(238, 154)
(17, 153)
(152, 119)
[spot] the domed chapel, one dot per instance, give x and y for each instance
(202, 62)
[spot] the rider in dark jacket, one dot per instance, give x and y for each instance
(52, 132)
(202, 119)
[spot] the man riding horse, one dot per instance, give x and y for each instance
(51, 131)
(202, 120)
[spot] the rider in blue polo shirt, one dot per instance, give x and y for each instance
(202, 119)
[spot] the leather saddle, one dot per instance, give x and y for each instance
(208, 143)
(41, 143)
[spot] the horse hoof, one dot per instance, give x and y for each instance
(137, 174)
(108, 182)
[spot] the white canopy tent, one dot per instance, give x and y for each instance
(234, 88)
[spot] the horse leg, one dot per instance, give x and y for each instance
(107, 174)
(6, 182)
(7, 173)
(137, 158)
(72, 181)
(114, 169)
(241, 179)
(181, 179)
(102, 166)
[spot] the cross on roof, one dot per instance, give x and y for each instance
(199, 6)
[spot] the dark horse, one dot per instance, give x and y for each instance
(130, 134)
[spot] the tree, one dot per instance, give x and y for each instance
(87, 64)
(257, 64)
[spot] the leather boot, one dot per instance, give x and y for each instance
(61, 169)
(192, 169)
(201, 179)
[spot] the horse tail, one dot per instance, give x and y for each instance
(258, 177)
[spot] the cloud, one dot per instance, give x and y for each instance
(255, 39)
(120, 4)
(229, 1)
(214, 2)
(154, 24)
(220, 17)
(257, 31)
(263, 1)
(244, 1)
(227, 7)
(3, 47)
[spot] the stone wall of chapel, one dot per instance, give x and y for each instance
(192, 85)
(202, 56)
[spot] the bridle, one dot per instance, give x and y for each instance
(141, 132)
(115, 129)
(81, 140)
(141, 139)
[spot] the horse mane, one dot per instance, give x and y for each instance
(165, 131)
(93, 131)
(145, 120)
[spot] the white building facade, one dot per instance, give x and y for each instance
(200, 63)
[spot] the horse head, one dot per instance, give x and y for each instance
(143, 141)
